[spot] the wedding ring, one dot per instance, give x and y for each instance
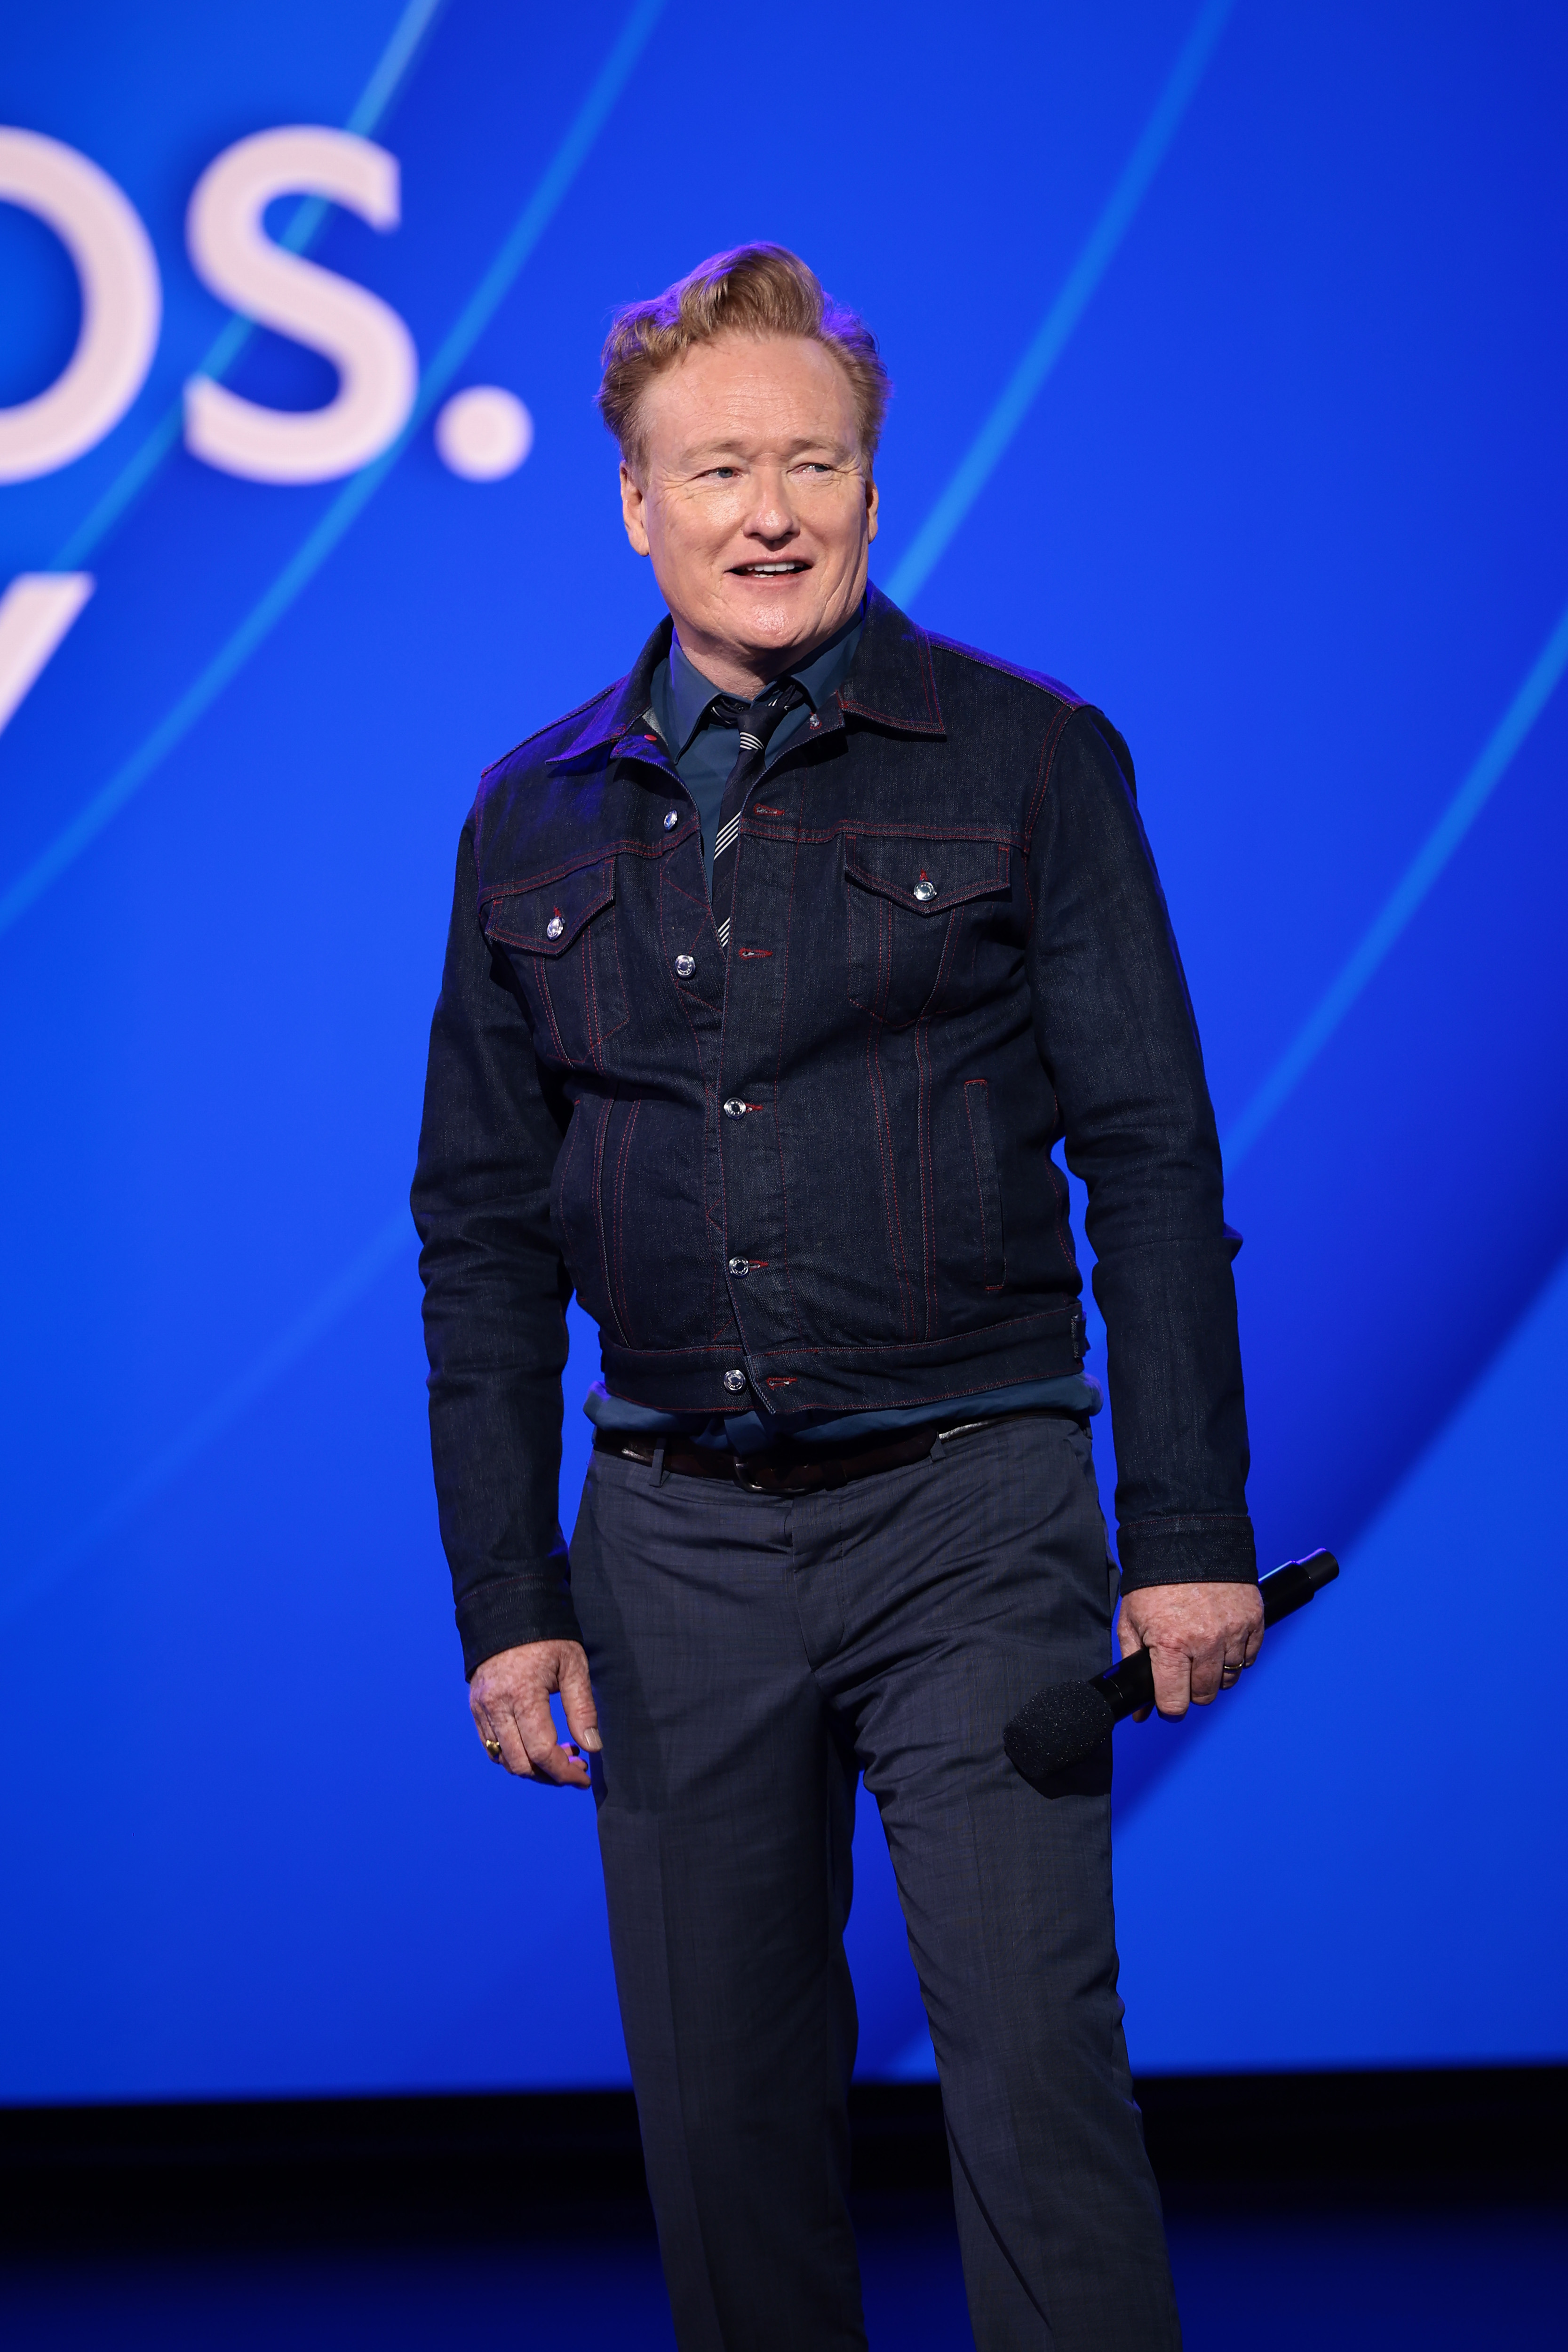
(492, 1749)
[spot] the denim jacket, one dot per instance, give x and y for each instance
(815, 1174)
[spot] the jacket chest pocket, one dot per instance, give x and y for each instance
(559, 938)
(911, 902)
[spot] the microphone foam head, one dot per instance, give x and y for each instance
(1060, 1726)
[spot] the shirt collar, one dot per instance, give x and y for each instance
(688, 695)
(890, 682)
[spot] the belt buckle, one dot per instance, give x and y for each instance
(747, 1484)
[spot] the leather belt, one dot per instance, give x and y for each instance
(778, 1472)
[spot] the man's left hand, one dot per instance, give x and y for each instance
(1199, 1638)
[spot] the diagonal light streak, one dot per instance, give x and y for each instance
(302, 566)
(1403, 902)
(389, 1244)
(393, 67)
(986, 450)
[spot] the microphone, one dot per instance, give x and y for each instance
(1067, 1721)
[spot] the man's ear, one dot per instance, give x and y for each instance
(870, 507)
(634, 502)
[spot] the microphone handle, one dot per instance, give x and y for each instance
(1131, 1685)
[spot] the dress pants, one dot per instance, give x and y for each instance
(751, 1655)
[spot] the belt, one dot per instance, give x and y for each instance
(796, 1472)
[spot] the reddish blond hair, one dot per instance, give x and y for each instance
(758, 289)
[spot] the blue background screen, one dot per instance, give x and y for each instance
(1232, 370)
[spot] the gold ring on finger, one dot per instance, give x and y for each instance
(492, 1749)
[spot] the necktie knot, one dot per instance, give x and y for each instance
(758, 718)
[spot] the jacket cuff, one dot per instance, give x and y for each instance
(1195, 1547)
(508, 1611)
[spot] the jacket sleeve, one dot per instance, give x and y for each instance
(495, 1299)
(1115, 1030)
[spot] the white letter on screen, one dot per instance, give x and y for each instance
(366, 341)
(121, 304)
(35, 611)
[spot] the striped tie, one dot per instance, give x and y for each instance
(755, 722)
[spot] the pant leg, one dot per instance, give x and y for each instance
(975, 1579)
(725, 1812)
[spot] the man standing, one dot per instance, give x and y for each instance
(775, 973)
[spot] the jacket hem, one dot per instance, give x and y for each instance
(785, 1380)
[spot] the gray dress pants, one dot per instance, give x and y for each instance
(751, 1654)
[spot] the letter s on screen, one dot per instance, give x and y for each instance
(367, 340)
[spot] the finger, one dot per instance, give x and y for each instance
(488, 1737)
(1173, 1682)
(543, 1758)
(514, 1752)
(1207, 1669)
(577, 1704)
(549, 1759)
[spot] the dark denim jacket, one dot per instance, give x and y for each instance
(817, 1174)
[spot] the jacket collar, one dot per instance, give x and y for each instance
(890, 682)
(623, 709)
(891, 678)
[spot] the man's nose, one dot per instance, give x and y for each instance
(772, 515)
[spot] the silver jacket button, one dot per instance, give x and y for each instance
(686, 966)
(739, 1265)
(671, 819)
(734, 1382)
(553, 928)
(925, 888)
(734, 1108)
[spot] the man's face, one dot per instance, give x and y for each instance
(752, 503)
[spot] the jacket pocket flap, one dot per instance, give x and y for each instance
(544, 918)
(927, 876)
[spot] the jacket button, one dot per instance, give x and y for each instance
(734, 1382)
(553, 928)
(734, 1108)
(739, 1265)
(814, 720)
(686, 966)
(671, 819)
(925, 888)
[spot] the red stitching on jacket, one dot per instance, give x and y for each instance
(984, 1087)
(624, 1310)
(778, 1067)
(927, 1158)
(891, 1211)
(565, 720)
(591, 1006)
(1047, 756)
(1036, 677)
(600, 1133)
(875, 1347)
(543, 975)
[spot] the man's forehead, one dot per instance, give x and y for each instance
(751, 398)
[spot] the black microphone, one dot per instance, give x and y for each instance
(1067, 1721)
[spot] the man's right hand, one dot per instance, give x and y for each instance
(508, 1699)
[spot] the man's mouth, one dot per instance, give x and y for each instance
(769, 571)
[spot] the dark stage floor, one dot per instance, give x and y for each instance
(1437, 2280)
(1326, 2212)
